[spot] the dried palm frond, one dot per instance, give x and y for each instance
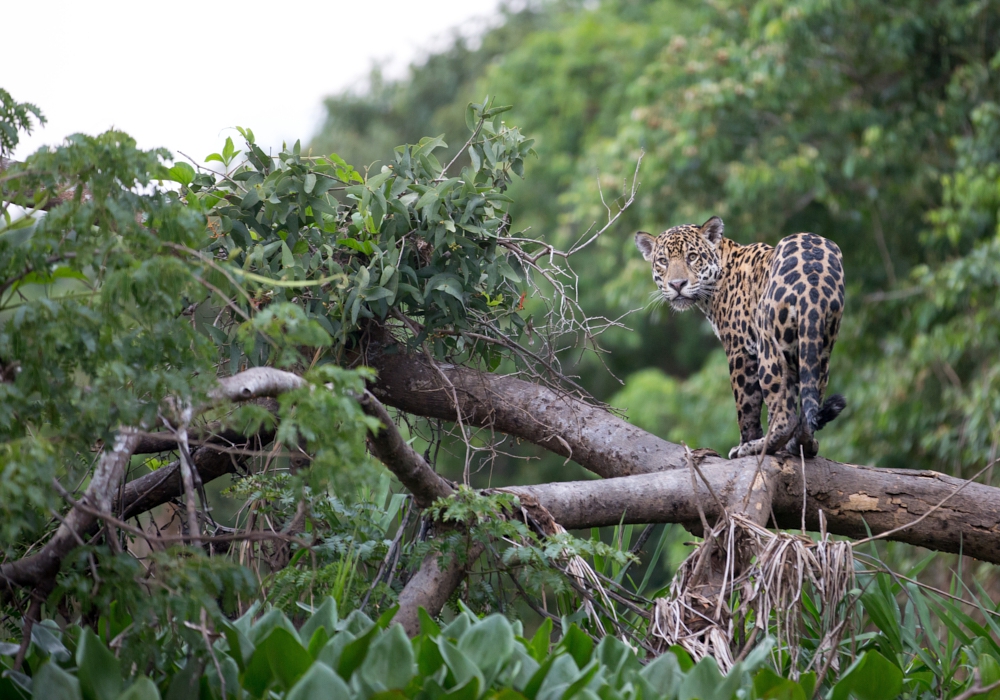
(754, 572)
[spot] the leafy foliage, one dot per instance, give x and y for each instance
(356, 657)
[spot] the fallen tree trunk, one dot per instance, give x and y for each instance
(852, 497)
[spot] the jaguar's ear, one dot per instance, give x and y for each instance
(644, 242)
(712, 230)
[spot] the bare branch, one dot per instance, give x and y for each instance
(413, 472)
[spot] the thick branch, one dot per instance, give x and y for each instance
(256, 382)
(431, 586)
(589, 435)
(391, 449)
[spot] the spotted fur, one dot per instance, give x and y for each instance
(777, 312)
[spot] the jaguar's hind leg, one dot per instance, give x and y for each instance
(781, 391)
(809, 444)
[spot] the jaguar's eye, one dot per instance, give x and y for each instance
(692, 257)
(662, 261)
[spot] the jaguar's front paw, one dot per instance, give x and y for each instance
(747, 449)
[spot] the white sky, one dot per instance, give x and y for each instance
(179, 74)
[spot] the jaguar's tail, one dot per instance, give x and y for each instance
(830, 409)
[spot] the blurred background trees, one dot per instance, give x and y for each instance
(874, 124)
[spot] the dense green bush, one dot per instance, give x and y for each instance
(355, 657)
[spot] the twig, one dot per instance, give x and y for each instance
(805, 492)
(978, 688)
(187, 472)
(34, 615)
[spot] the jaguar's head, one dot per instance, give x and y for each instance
(686, 264)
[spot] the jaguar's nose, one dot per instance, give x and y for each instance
(677, 285)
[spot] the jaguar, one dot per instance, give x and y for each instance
(776, 309)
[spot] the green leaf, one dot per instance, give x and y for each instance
(768, 685)
(240, 646)
(354, 653)
(704, 682)
(461, 666)
(389, 663)
(319, 683)
(428, 627)
(325, 616)
(488, 644)
(385, 619)
(182, 173)
(185, 683)
(360, 246)
(683, 658)
(52, 682)
(331, 652)
(142, 689)
(309, 184)
(870, 677)
(43, 636)
(562, 672)
(100, 672)
(663, 674)
(541, 641)
(579, 645)
(250, 199)
(288, 659)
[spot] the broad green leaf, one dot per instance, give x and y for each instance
(185, 682)
(267, 622)
(488, 644)
(870, 677)
(354, 653)
(541, 641)
(704, 682)
(142, 689)
(768, 685)
(663, 674)
(579, 645)
(357, 623)
(562, 672)
(330, 653)
(240, 646)
(181, 172)
(100, 672)
(288, 659)
(389, 662)
(53, 682)
(683, 658)
(428, 627)
(43, 635)
(319, 683)
(457, 627)
(461, 666)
